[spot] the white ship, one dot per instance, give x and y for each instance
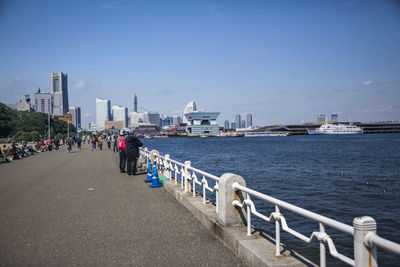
(336, 129)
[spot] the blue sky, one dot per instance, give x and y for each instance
(283, 60)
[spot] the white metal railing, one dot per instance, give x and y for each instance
(188, 175)
(365, 238)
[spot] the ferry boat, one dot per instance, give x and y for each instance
(336, 129)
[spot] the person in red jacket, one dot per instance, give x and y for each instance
(122, 151)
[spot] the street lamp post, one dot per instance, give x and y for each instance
(48, 124)
(68, 128)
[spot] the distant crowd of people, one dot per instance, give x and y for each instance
(124, 143)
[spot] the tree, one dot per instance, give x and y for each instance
(5, 120)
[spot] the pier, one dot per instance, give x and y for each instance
(60, 208)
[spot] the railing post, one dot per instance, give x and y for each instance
(363, 255)
(277, 233)
(322, 250)
(227, 213)
(187, 176)
(248, 208)
(166, 166)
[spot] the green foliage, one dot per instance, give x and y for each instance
(27, 125)
(82, 133)
(35, 136)
(5, 120)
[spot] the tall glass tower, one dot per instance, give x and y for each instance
(249, 119)
(237, 121)
(103, 112)
(59, 92)
(135, 104)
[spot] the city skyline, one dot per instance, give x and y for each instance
(275, 60)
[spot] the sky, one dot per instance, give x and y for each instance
(278, 60)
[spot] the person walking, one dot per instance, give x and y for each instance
(79, 142)
(69, 144)
(93, 140)
(108, 139)
(115, 143)
(100, 141)
(122, 151)
(56, 143)
(132, 144)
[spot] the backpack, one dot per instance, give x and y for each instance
(121, 144)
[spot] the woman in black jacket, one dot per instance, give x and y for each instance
(132, 144)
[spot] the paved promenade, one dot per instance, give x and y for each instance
(60, 208)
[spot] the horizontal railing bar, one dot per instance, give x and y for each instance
(308, 214)
(382, 243)
(215, 178)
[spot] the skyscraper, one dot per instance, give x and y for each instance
(135, 104)
(75, 116)
(226, 124)
(120, 113)
(237, 121)
(249, 119)
(43, 102)
(176, 119)
(59, 92)
(103, 112)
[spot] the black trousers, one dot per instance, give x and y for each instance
(131, 166)
(122, 161)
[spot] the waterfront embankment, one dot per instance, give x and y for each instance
(61, 208)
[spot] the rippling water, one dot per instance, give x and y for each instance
(340, 177)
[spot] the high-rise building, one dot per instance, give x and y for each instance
(120, 113)
(92, 126)
(75, 116)
(321, 117)
(237, 121)
(233, 125)
(165, 120)
(249, 119)
(59, 92)
(135, 118)
(152, 118)
(226, 124)
(43, 102)
(176, 120)
(135, 103)
(334, 117)
(242, 124)
(103, 112)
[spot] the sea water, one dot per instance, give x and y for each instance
(337, 176)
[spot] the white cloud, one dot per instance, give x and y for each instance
(366, 83)
(79, 85)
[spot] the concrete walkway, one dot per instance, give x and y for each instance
(60, 208)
